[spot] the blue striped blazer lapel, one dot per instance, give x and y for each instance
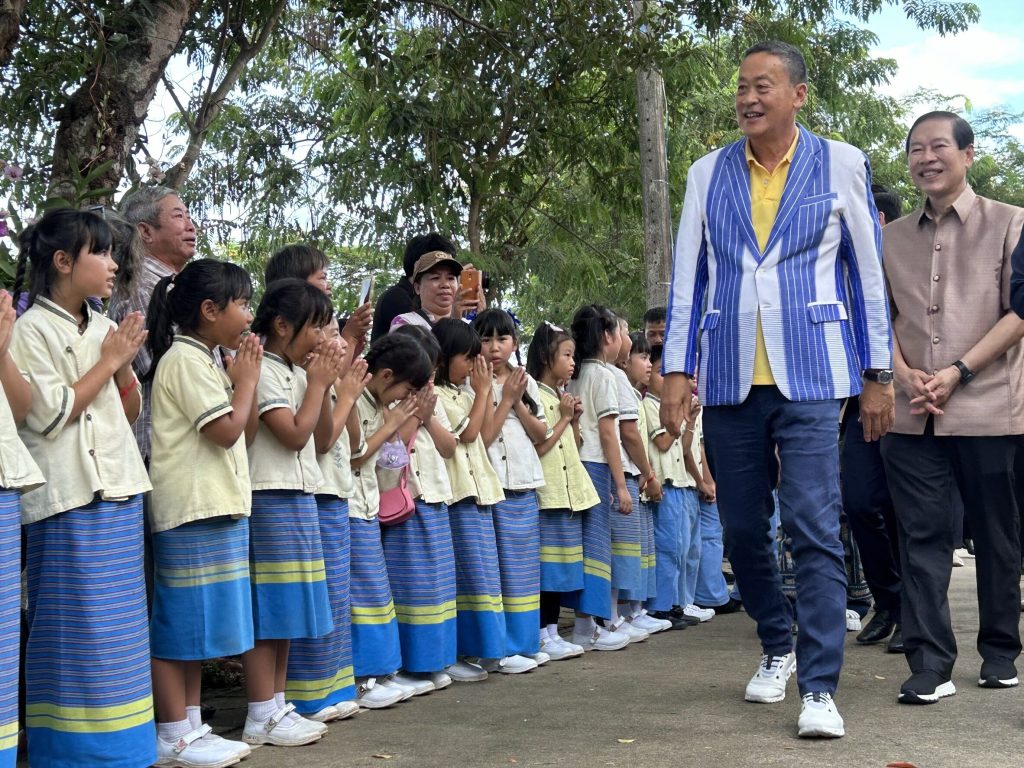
(737, 174)
(806, 164)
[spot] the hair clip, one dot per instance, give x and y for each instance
(516, 320)
(553, 327)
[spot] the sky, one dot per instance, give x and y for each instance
(983, 64)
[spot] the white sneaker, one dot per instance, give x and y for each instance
(510, 665)
(768, 685)
(852, 621)
(419, 685)
(346, 709)
(558, 649)
(649, 624)
(958, 562)
(281, 730)
(374, 696)
(601, 640)
(466, 672)
(439, 679)
(541, 657)
(194, 751)
(389, 682)
(704, 614)
(328, 714)
(819, 717)
(636, 635)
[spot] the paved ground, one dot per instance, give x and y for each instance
(676, 700)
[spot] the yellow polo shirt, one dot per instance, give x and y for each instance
(765, 193)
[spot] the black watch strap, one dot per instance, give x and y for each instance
(879, 375)
(966, 374)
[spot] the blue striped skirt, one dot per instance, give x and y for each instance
(517, 535)
(421, 568)
(286, 567)
(320, 670)
(561, 550)
(481, 617)
(627, 533)
(376, 648)
(595, 598)
(652, 552)
(202, 600)
(10, 623)
(88, 699)
(648, 576)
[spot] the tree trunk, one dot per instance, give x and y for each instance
(10, 27)
(654, 176)
(473, 222)
(99, 124)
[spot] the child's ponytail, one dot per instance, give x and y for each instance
(589, 325)
(543, 348)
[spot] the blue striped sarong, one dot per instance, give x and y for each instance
(376, 648)
(561, 550)
(10, 623)
(286, 567)
(88, 700)
(202, 601)
(421, 568)
(652, 553)
(595, 599)
(627, 533)
(481, 617)
(320, 670)
(517, 535)
(648, 575)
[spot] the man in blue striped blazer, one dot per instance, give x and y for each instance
(778, 307)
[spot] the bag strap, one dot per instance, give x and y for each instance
(408, 448)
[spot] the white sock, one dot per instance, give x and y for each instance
(171, 732)
(553, 632)
(585, 626)
(195, 716)
(635, 608)
(544, 635)
(261, 711)
(280, 701)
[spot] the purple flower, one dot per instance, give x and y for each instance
(4, 231)
(13, 172)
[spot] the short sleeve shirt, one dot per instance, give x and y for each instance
(17, 469)
(336, 464)
(272, 467)
(428, 476)
(193, 477)
(94, 454)
(469, 470)
(668, 465)
(364, 503)
(567, 484)
(629, 410)
(513, 454)
(596, 388)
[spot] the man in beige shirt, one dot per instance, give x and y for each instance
(959, 367)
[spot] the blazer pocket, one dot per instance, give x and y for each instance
(815, 199)
(710, 320)
(826, 311)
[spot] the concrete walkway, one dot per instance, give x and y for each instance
(676, 700)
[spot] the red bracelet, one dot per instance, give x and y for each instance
(125, 391)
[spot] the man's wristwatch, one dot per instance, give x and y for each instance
(966, 374)
(878, 375)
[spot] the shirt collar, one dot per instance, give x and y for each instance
(652, 397)
(189, 341)
(545, 388)
(157, 267)
(50, 306)
(786, 159)
(277, 359)
(963, 206)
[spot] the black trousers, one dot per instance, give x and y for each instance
(921, 470)
(870, 512)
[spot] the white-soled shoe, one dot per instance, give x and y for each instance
(389, 682)
(194, 751)
(510, 665)
(558, 649)
(703, 614)
(346, 709)
(648, 623)
(375, 696)
(240, 747)
(636, 635)
(420, 685)
(768, 685)
(819, 717)
(601, 640)
(466, 672)
(852, 621)
(282, 731)
(541, 657)
(328, 714)
(439, 679)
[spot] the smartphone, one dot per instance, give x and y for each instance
(469, 280)
(366, 291)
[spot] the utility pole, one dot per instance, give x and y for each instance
(651, 105)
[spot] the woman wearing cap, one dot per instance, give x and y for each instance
(435, 278)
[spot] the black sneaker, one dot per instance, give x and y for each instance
(895, 644)
(878, 629)
(677, 613)
(677, 622)
(997, 673)
(925, 688)
(732, 606)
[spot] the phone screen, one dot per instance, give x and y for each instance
(366, 291)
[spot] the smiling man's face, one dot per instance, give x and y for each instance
(938, 167)
(766, 100)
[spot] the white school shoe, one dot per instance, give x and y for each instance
(601, 640)
(819, 718)
(541, 657)
(328, 714)
(466, 672)
(703, 614)
(440, 680)
(346, 709)
(648, 623)
(768, 685)
(194, 751)
(419, 685)
(280, 730)
(635, 634)
(389, 681)
(240, 747)
(375, 696)
(558, 649)
(510, 665)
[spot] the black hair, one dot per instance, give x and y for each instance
(655, 315)
(426, 339)
(64, 229)
(498, 322)
(296, 302)
(790, 56)
(405, 356)
(888, 203)
(657, 350)
(454, 337)
(422, 244)
(963, 134)
(297, 260)
(177, 300)
(641, 346)
(543, 347)
(589, 325)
